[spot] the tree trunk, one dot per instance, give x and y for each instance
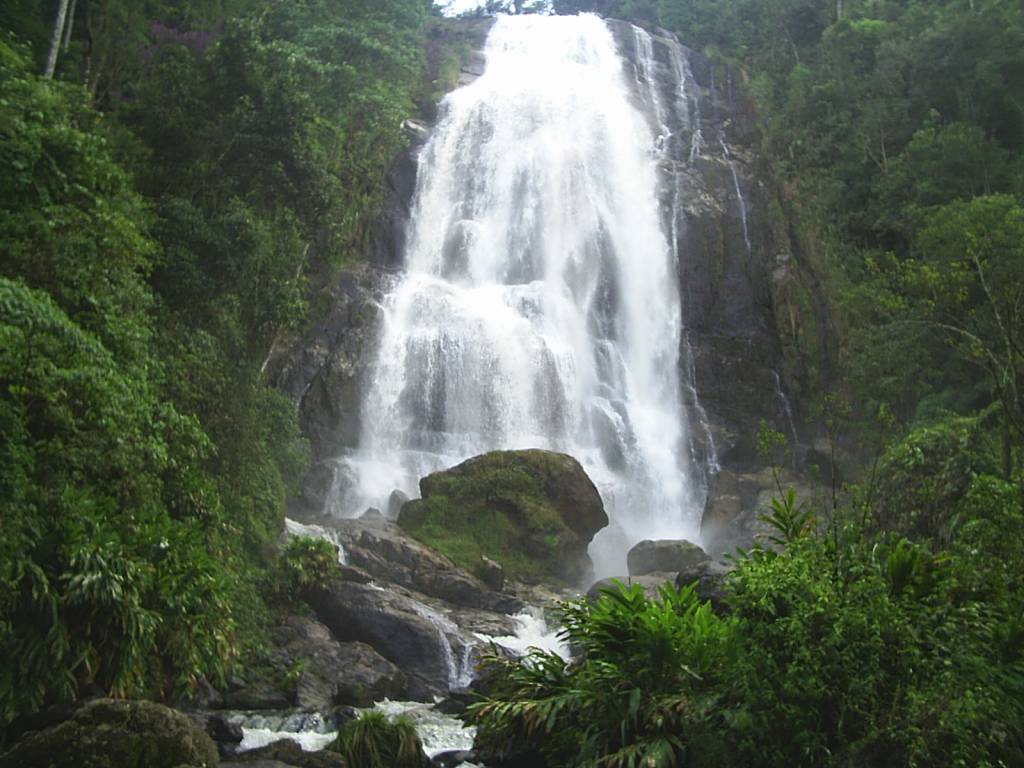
(67, 27)
(58, 33)
(839, 9)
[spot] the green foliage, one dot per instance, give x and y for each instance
(99, 584)
(72, 224)
(922, 479)
(309, 563)
(643, 689)
(846, 649)
(152, 259)
(373, 741)
(789, 519)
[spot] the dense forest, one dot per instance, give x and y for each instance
(164, 195)
(174, 174)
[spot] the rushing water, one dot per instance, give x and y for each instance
(539, 306)
(438, 732)
(531, 631)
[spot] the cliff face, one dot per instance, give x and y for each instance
(735, 271)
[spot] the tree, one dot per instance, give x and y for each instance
(55, 39)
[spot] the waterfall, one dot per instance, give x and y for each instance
(787, 411)
(739, 192)
(540, 304)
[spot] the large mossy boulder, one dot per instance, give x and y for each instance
(116, 734)
(532, 511)
(664, 555)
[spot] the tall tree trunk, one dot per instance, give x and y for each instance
(68, 26)
(58, 33)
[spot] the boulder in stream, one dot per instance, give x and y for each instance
(409, 634)
(534, 512)
(664, 555)
(333, 673)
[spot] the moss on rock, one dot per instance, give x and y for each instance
(532, 511)
(116, 734)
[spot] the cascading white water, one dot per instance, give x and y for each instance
(540, 305)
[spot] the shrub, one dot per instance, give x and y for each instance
(373, 741)
(641, 693)
(309, 563)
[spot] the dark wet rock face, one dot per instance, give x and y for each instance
(708, 581)
(105, 733)
(735, 515)
(396, 626)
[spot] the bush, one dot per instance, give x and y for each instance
(642, 692)
(309, 563)
(99, 584)
(373, 741)
(850, 648)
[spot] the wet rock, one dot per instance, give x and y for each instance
(456, 701)
(739, 502)
(334, 673)
(258, 695)
(454, 758)
(532, 511)
(105, 733)
(708, 580)
(225, 734)
(385, 551)
(395, 502)
(491, 573)
(395, 625)
(664, 555)
(323, 374)
(417, 131)
(204, 696)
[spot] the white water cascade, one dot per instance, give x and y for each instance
(540, 303)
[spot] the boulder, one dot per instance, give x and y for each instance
(225, 734)
(534, 512)
(382, 549)
(333, 673)
(396, 501)
(105, 733)
(406, 632)
(664, 555)
(708, 580)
